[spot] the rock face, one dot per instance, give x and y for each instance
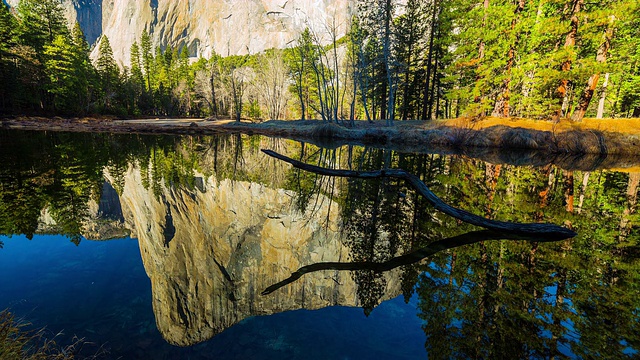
(211, 251)
(104, 220)
(227, 27)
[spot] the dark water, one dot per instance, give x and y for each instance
(187, 232)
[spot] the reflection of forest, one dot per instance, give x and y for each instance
(507, 299)
(490, 299)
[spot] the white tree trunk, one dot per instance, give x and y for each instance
(602, 97)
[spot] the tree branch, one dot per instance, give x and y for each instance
(408, 259)
(548, 231)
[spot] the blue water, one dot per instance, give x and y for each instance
(99, 291)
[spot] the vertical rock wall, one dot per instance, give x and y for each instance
(227, 27)
(211, 251)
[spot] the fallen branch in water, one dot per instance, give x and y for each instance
(549, 231)
(408, 259)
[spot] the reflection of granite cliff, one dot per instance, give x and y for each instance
(104, 219)
(210, 251)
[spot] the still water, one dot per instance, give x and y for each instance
(162, 247)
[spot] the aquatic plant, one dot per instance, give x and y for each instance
(17, 342)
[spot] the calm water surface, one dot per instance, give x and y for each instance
(161, 247)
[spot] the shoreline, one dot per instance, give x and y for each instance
(410, 135)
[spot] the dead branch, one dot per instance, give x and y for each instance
(408, 259)
(548, 231)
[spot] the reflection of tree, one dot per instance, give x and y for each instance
(57, 172)
(61, 173)
(374, 224)
(503, 299)
(519, 300)
(483, 300)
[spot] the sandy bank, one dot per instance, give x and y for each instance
(564, 138)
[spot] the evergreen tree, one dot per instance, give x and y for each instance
(8, 71)
(41, 21)
(85, 72)
(136, 69)
(411, 34)
(136, 80)
(108, 71)
(147, 58)
(625, 64)
(60, 66)
(375, 18)
(299, 61)
(8, 25)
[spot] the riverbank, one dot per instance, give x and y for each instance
(619, 137)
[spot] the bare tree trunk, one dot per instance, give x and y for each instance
(427, 88)
(502, 105)
(601, 58)
(603, 97)
(386, 107)
(632, 200)
(539, 230)
(405, 101)
(583, 190)
(568, 190)
(434, 88)
(363, 86)
(336, 69)
(569, 42)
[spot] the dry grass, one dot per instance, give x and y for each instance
(622, 126)
(631, 169)
(18, 343)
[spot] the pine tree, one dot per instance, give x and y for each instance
(299, 61)
(625, 81)
(147, 58)
(464, 16)
(601, 58)
(412, 28)
(136, 69)
(60, 66)
(8, 71)
(85, 72)
(375, 19)
(136, 80)
(41, 21)
(108, 71)
(7, 30)
(434, 25)
(513, 42)
(183, 65)
(569, 55)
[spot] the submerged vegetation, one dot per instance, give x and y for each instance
(419, 59)
(18, 343)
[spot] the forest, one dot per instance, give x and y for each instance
(394, 60)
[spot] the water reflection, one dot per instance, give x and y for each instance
(407, 259)
(218, 223)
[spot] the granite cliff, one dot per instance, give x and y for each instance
(227, 27)
(210, 252)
